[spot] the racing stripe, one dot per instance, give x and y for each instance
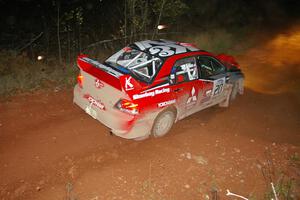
(156, 87)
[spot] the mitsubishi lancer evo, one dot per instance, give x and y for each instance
(147, 86)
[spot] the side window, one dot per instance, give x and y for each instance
(209, 67)
(185, 70)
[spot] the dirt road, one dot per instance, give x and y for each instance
(50, 149)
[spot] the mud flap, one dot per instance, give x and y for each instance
(91, 112)
(241, 86)
(226, 102)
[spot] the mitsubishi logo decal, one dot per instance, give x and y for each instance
(98, 84)
(193, 97)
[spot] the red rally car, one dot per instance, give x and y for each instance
(147, 86)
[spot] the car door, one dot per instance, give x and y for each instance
(212, 81)
(184, 77)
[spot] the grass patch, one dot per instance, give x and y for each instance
(295, 159)
(20, 74)
(285, 180)
(221, 40)
(70, 192)
(284, 187)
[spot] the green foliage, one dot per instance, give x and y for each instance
(220, 40)
(142, 16)
(171, 9)
(217, 41)
(285, 182)
(284, 189)
(18, 73)
(149, 191)
(295, 159)
(72, 16)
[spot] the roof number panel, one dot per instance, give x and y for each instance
(164, 48)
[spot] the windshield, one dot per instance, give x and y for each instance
(143, 65)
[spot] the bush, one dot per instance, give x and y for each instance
(19, 73)
(219, 40)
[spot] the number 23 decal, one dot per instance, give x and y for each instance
(218, 86)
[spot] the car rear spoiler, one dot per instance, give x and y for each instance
(108, 74)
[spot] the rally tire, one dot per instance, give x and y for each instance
(163, 123)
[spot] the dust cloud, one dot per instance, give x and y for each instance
(273, 67)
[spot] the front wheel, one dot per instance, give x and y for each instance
(163, 123)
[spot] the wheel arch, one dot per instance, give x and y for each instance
(172, 108)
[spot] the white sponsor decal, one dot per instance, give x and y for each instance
(98, 84)
(151, 94)
(164, 85)
(208, 92)
(95, 102)
(161, 50)
(191, 70)
(163, 90)
(143, 95)
(218, 86)
(193, 98)
(166, 103)
(128, 84)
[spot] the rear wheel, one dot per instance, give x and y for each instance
(163, 123)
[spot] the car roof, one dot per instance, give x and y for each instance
(164, 48)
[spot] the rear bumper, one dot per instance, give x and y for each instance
(121, 124)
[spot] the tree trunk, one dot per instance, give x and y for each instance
(69, 47)
(79, 37)
(46, 37)
(125, 22)
(159, 18)
(58, 35)
(144, 25)
(133, 19)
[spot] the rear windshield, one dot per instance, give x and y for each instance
(142, 65)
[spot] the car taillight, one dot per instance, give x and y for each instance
(128, 106)
(80, 80)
